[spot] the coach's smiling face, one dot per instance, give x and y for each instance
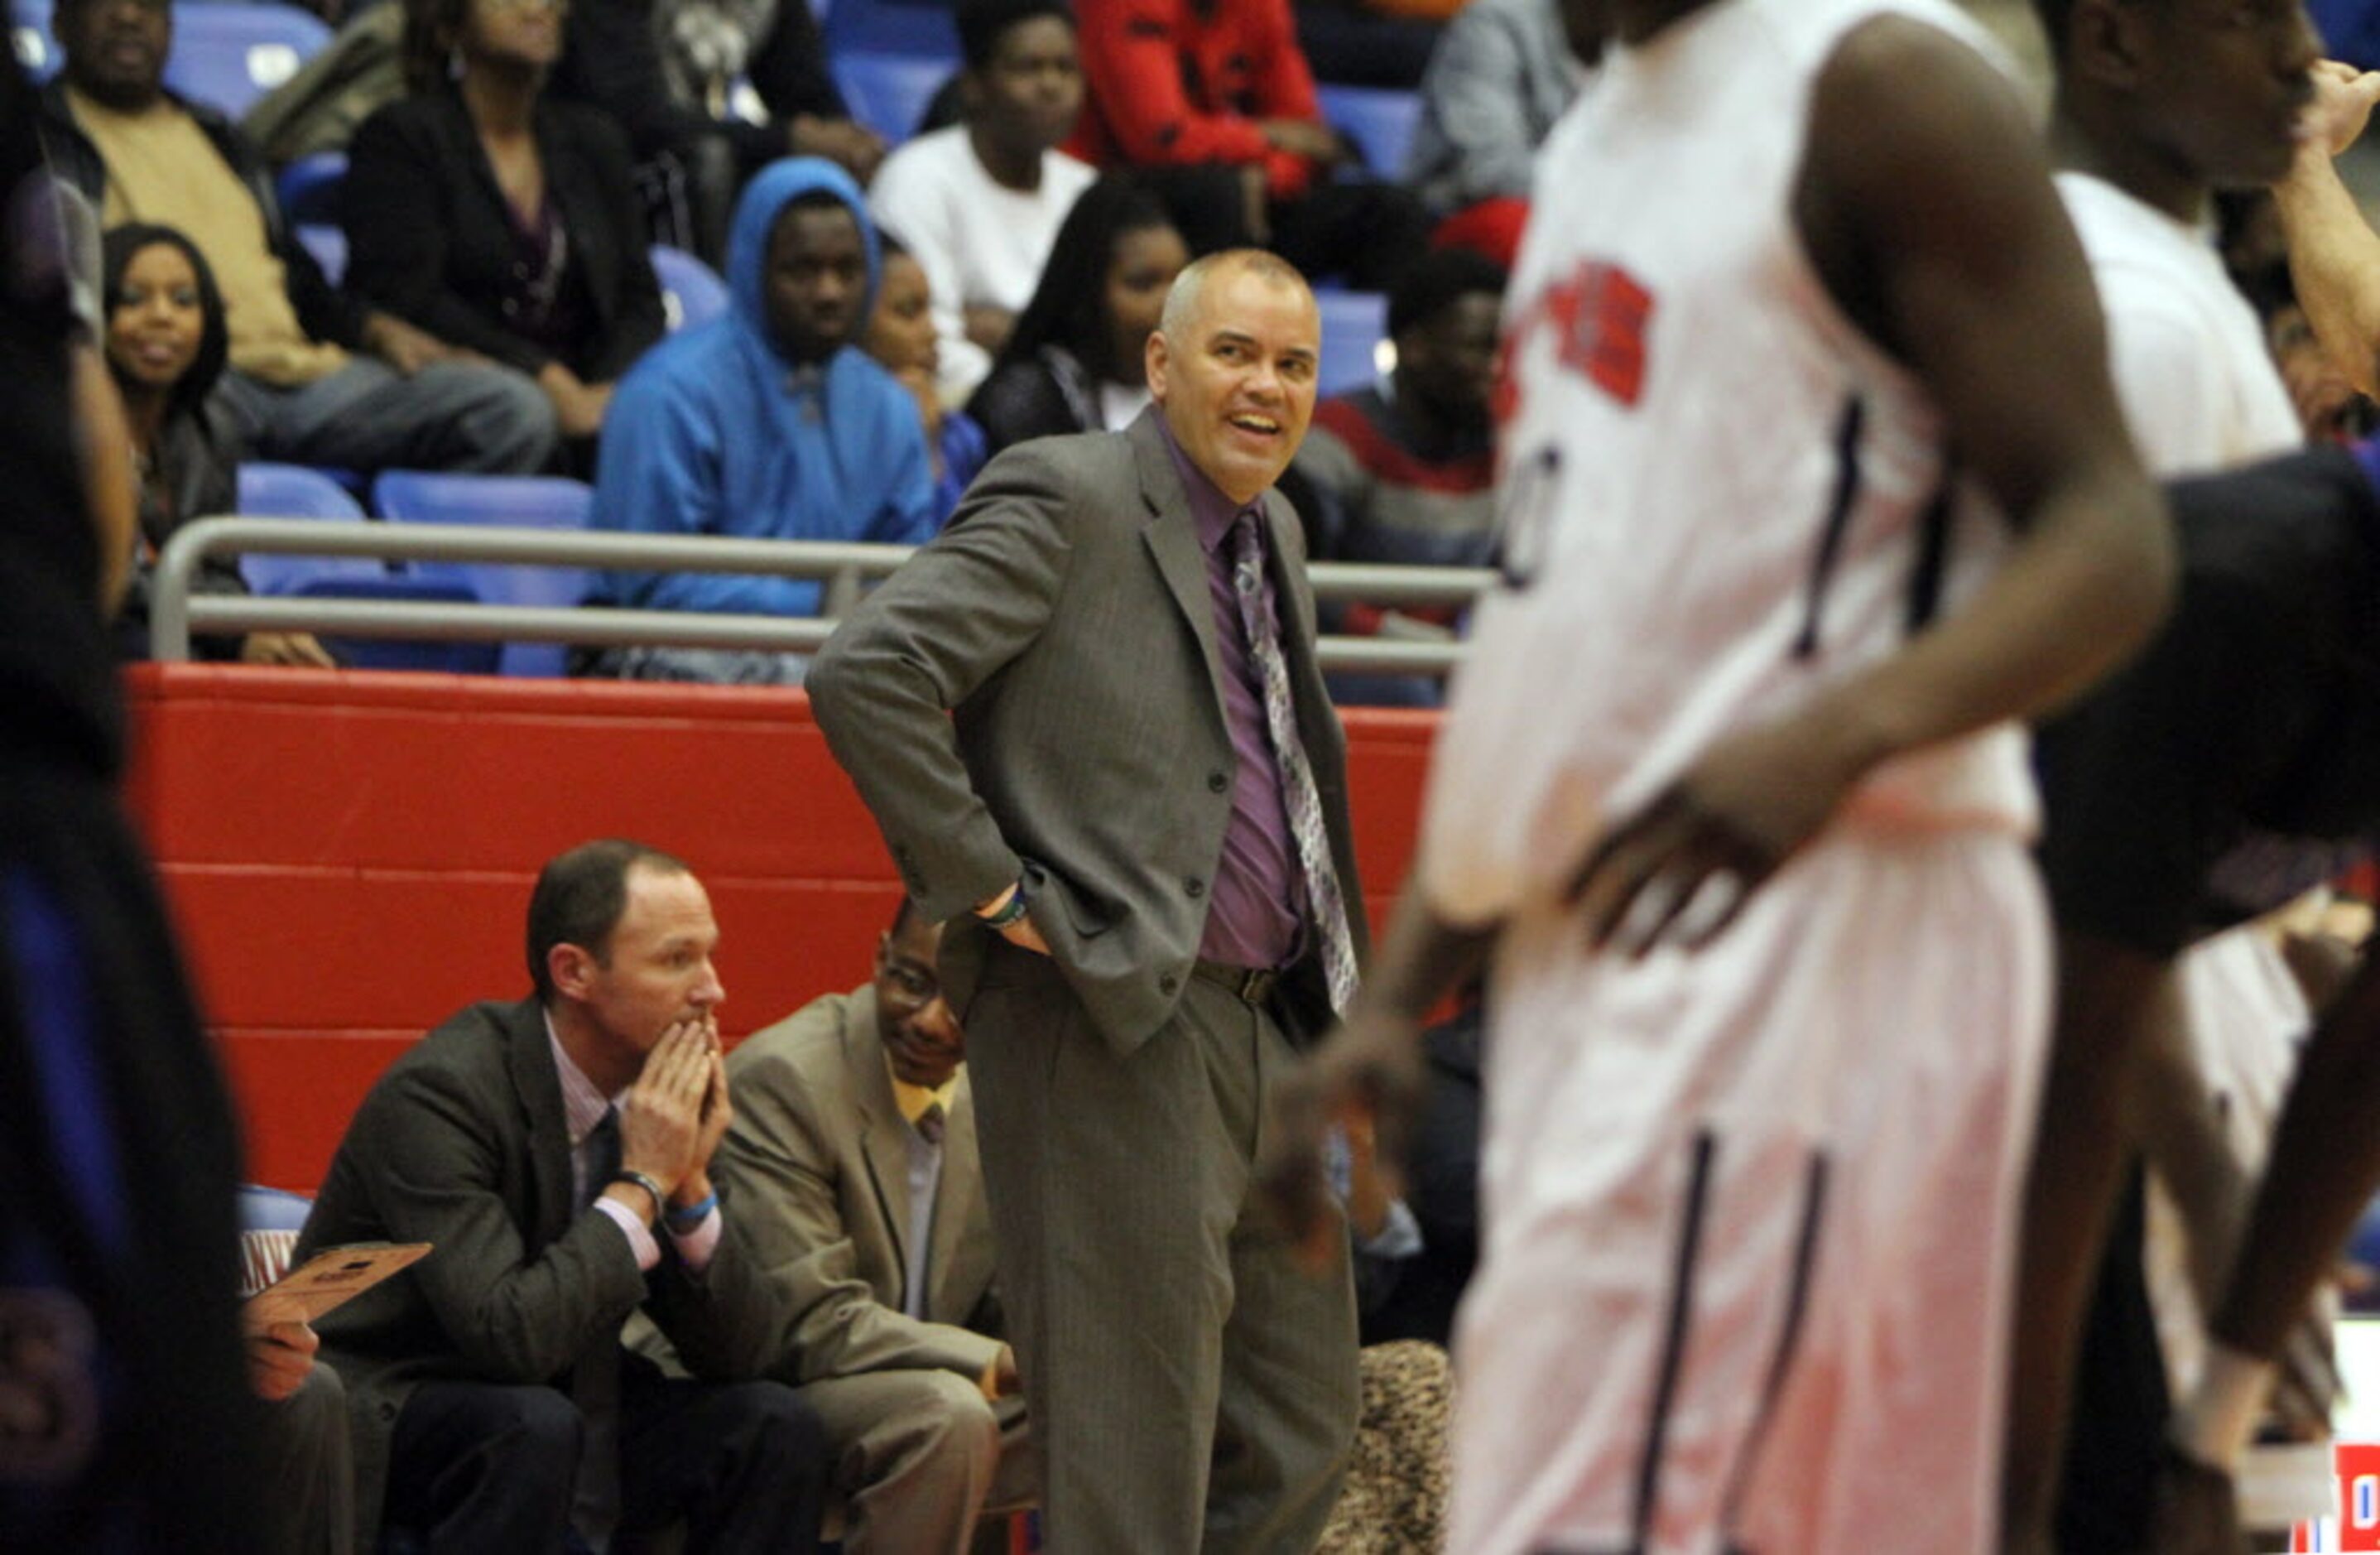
(1235, 374)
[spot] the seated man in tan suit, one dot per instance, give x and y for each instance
(852, 1162)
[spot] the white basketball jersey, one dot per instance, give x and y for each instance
(1719, 495)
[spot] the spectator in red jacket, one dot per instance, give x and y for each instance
(1212, 102)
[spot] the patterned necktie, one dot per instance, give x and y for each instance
(1298, 797)
(930, 1124)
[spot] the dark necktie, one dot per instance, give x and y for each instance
(1298, 795)
(603, 1156)
(930, 1124)
(595, 1381)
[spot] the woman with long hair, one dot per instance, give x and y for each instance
(498, 219)
(1074, 361)
(167, 345)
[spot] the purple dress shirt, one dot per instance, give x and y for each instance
(1256, 903)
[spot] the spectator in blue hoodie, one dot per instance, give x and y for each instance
(768, 422)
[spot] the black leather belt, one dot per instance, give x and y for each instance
(1249, 985)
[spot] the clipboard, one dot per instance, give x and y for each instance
(328, 1279)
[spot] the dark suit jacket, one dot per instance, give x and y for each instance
(1064, 618)
(429, 238)
(463, 1144)
(817, 1159)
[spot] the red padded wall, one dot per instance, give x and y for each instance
(349, 855)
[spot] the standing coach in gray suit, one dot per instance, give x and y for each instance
(1089, 722)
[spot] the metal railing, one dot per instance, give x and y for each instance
(176, 613)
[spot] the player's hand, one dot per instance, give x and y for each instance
(1681, 869)
(279, 1356)
(1368, 1079)
(662, 1122)
(2343, 100)
(2305, 1383)
(2194, 1511)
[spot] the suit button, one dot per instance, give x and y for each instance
(388, 1412)
(1194, 888)
(1168, 983)
(1217, 783)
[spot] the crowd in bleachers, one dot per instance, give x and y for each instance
(450, 235)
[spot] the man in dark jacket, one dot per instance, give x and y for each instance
(315, 378)
(555, 1154)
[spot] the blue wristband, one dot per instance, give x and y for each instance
(693, 1215)
(1012, 909)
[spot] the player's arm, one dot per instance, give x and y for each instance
(104, 445)
(2334, 253)
(1926, 203)
(1369, 1072)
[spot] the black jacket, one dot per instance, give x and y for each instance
(429, 238)
(610, 60)
(322, 311)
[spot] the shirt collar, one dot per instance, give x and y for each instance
(913, 1101)
(1214, 512)
(583, 1104)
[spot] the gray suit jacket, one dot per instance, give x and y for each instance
(818, 1163)
(463, 1144)
(1063, 618)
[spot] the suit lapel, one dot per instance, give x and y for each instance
(1172, 537)
(540, 1089)
(884, 1137)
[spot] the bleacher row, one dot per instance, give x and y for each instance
(271, 491)
(888, 59)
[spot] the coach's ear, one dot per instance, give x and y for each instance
(571, 969)
(1154, 358)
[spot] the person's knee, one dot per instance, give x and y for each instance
(953, 1418)
(781, 1424)
(503, 422)
(534, 1432)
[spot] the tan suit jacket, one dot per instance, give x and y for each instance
(816, 1165)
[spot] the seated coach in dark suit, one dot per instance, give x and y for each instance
(557, 1153)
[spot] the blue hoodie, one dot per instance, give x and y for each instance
(715, 433)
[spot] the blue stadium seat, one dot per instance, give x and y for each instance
(228, 54)
(888, 93)
(36, 45)
(329, 246)
(538, 500)
(308, 188)
(692, 292)
(924, 27)
(1355, 326)
(1381, 122)
(400, 653)
(271, 491)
